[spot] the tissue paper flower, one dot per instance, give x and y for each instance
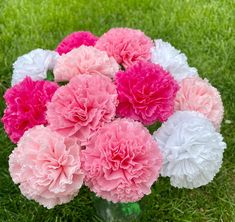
(126, 45)
(47, 167)
(199, 95)
(146, 93)
(26, 106)
(121, 161)
(35, 64)
(192, 149)
(79, 108)
(75, 40)
(171, 60)
(91, 128)
(84, 60)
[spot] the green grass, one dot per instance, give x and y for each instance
(204, 30)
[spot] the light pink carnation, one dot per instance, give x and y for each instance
(84, 60)
(146, 93)
(126, 45)
(47, 167)
(75, 40)
(26, 106)
(82, 106)
(121, 161)
(199, 95)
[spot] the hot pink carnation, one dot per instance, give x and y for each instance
(75, 40)
(126, 45)
(146, 93)
(121, 161)
(199, 95)
(82, 106)
(47, 167)
(84, 60)
(26, 106)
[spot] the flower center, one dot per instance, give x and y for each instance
(78, 114)
(119, 157)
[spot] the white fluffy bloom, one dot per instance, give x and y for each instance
(171, 60)
(192, 149)
(34, 64)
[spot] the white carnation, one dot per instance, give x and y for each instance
(35, 64)
(192, 149)
(172, 60)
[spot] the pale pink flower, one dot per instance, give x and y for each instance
(47, 167)
(84, 60)
(199, 95)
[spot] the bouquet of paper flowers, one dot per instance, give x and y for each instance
(80, 115)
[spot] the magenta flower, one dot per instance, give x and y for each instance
(75, 40)
(26, 106)
(146, 93)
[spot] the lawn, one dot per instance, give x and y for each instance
(204, 30)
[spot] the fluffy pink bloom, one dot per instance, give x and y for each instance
(126, 45)
(121, 161)
(146, 93)
(47, 166)
(84, 60)
(26, 106)
(82, 106)
(75, 40)
(199, 95)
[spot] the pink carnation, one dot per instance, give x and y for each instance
(75, 40)
(146, 93)
(26, 106)
(199, 95)
(126, 45)
(47, 167)
(84, 60)
(82, 106)
(121, 161)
